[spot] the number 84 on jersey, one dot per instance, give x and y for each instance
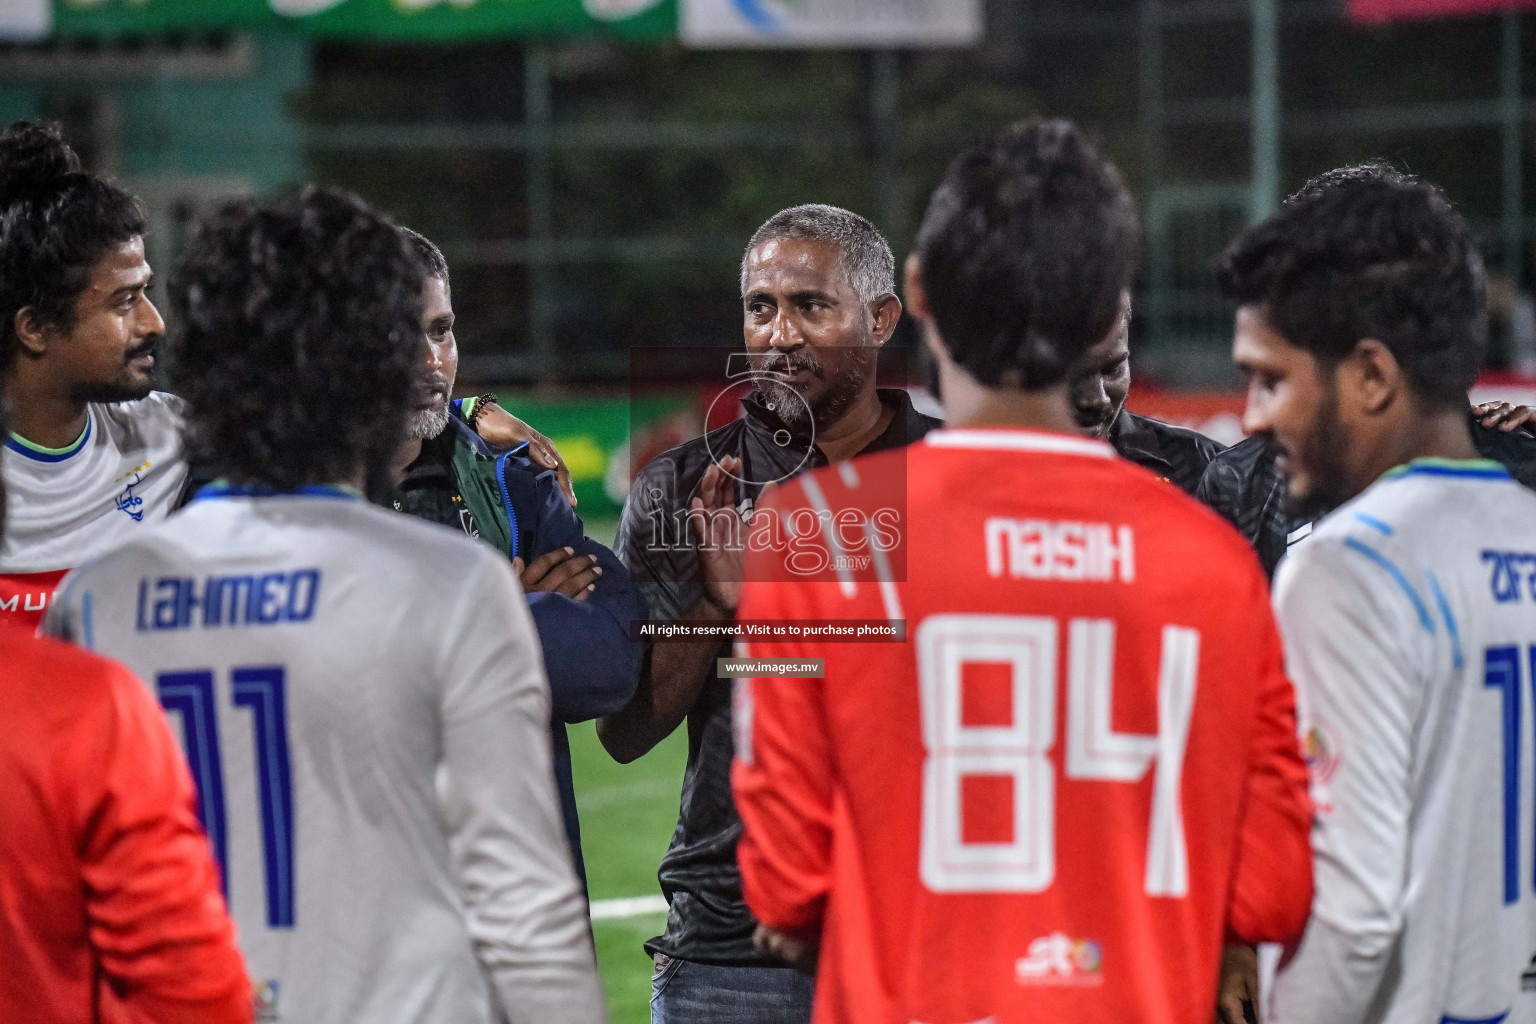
(1020, 749)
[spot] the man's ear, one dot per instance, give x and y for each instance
(1371, 376)
(917, 305)
(912, 284)
(30, 332)
(886, 311)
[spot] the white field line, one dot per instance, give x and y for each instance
(599, 797)
(628, 906)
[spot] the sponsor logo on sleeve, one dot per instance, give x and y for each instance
(1320, 749)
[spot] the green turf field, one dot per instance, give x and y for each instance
(627, 815)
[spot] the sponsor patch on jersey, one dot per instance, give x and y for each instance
(1059, 959)
(128, 503)
(1321, 751)
(24, 596)
(264, 998)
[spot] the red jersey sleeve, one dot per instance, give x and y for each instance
(155, 916)
(1272, 876)
(782, 775)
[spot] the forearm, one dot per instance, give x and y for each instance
(592, 664)
(669, 686)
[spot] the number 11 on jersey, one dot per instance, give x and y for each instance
(1020, 750)
(262, 691)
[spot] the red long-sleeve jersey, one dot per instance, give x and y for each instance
(1076, 776)
(109, 898)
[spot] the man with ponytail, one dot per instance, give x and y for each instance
(94, 454)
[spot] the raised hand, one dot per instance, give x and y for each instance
(1506, 416)
(502, 431)
(721, 534)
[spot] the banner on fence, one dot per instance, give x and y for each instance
(375, 19)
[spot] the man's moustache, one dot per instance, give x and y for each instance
(786, 364)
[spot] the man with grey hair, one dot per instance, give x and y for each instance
(818, 302)
(867, 267)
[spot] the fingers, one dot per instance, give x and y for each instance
(575, 577)
(1239, 984)
(1519, 416)
(1504, 415)
(533, 574)
(543, 453)
(1492, 413)
(562, 571)
(563, 475)
(718, 488)
(1229, 1009)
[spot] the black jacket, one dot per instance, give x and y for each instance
(1243, 484)
(1176, 454)
(708, 921)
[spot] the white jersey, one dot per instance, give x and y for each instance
(363, 704)
(1409, 622)
(68, 505)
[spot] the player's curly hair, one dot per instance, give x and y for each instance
(1026, 247)
(56, 223)
(299, 333)
(1370, 252)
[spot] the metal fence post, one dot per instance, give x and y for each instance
(1265, 100)
(885, 127)
(1511, 213)
(538, 115)
(1149, 89)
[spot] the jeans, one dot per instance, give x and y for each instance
(684, 992)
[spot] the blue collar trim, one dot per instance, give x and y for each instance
(1467, 469)
(21, 446)
(223, 490)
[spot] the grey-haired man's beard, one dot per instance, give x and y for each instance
(428, 423)
(785, 400)
(787, 403)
